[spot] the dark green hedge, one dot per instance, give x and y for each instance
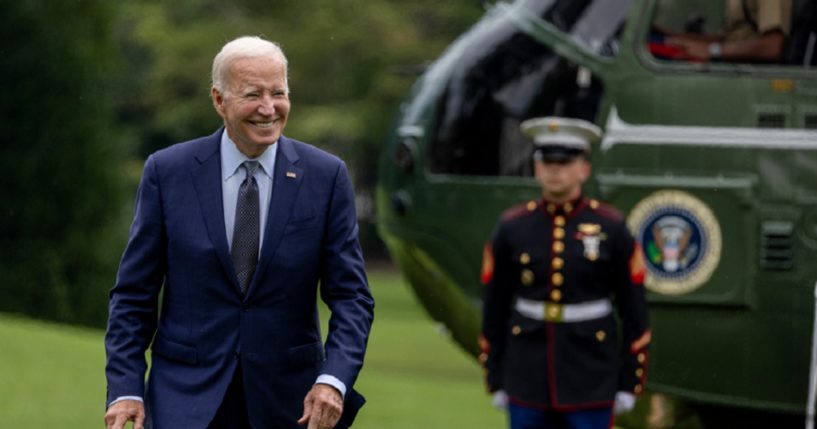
(60, 186)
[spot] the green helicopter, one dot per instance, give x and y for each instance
(714, 163)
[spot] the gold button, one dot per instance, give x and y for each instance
(568, 207)
(524, 259)
(639, 372)
(559, 221)
(527, 277)
(531, 206)
(641, 357)
(594, 204)
(483, 357)
(556, 295)
(558, 233)
(638, 389)
(558, 263)
(551, 208)
(601, 335)
(553, 312)
(557, 279)
(558, 247)
(516, 330)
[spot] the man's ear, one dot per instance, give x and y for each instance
(587, 169)
(218, 100)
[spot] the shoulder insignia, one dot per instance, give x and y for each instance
(484, 345)
(638, 268)
(487, 264)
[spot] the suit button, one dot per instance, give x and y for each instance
(601, 335)
(557, 263)
(556, 295)
(516, 330)
(639, 372)
(559, 221)
(558, 233)
(558, 247)
(641, 358)
(638, 389)
(524, 259)
(557, 279)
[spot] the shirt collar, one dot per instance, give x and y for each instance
(232, 158)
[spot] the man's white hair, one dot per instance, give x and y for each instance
(240, 48)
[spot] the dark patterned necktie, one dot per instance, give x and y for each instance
(246, 232)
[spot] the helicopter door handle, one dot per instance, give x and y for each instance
(400, 202)
(406, 152)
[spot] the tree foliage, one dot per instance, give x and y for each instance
(350, 64)
(92, 80)
(59, 159)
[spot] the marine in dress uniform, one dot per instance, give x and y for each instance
(557, 272)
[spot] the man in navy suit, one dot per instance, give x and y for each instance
(236, 343)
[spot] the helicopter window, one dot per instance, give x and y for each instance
(508, 77)
(735, 31)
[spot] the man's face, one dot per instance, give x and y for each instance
(562, 181)
(254, 103)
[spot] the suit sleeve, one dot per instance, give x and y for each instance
(497, 297)
(134, 297)
(344, 287)
(632, 310)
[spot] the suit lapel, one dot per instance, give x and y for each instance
(207, 181)
(285, 185)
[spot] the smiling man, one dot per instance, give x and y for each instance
(553, 271)
(240, 231)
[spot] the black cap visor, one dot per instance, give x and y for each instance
(557, 154)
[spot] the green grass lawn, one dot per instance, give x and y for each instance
(53, 375)
(50, 375)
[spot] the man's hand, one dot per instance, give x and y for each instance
(696, 49)
(323, 406)
(124, 411)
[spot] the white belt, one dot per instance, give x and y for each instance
(557, 312)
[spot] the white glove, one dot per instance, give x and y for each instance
(625, 402)
(500, 399)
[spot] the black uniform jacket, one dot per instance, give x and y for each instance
(575, 253)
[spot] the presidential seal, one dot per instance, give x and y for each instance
(681, 240)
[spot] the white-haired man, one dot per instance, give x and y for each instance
(240, 231)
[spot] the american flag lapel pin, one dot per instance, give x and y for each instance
(291, 174)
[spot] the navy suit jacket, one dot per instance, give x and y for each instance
(201, 325)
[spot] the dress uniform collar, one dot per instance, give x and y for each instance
(566, 208)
